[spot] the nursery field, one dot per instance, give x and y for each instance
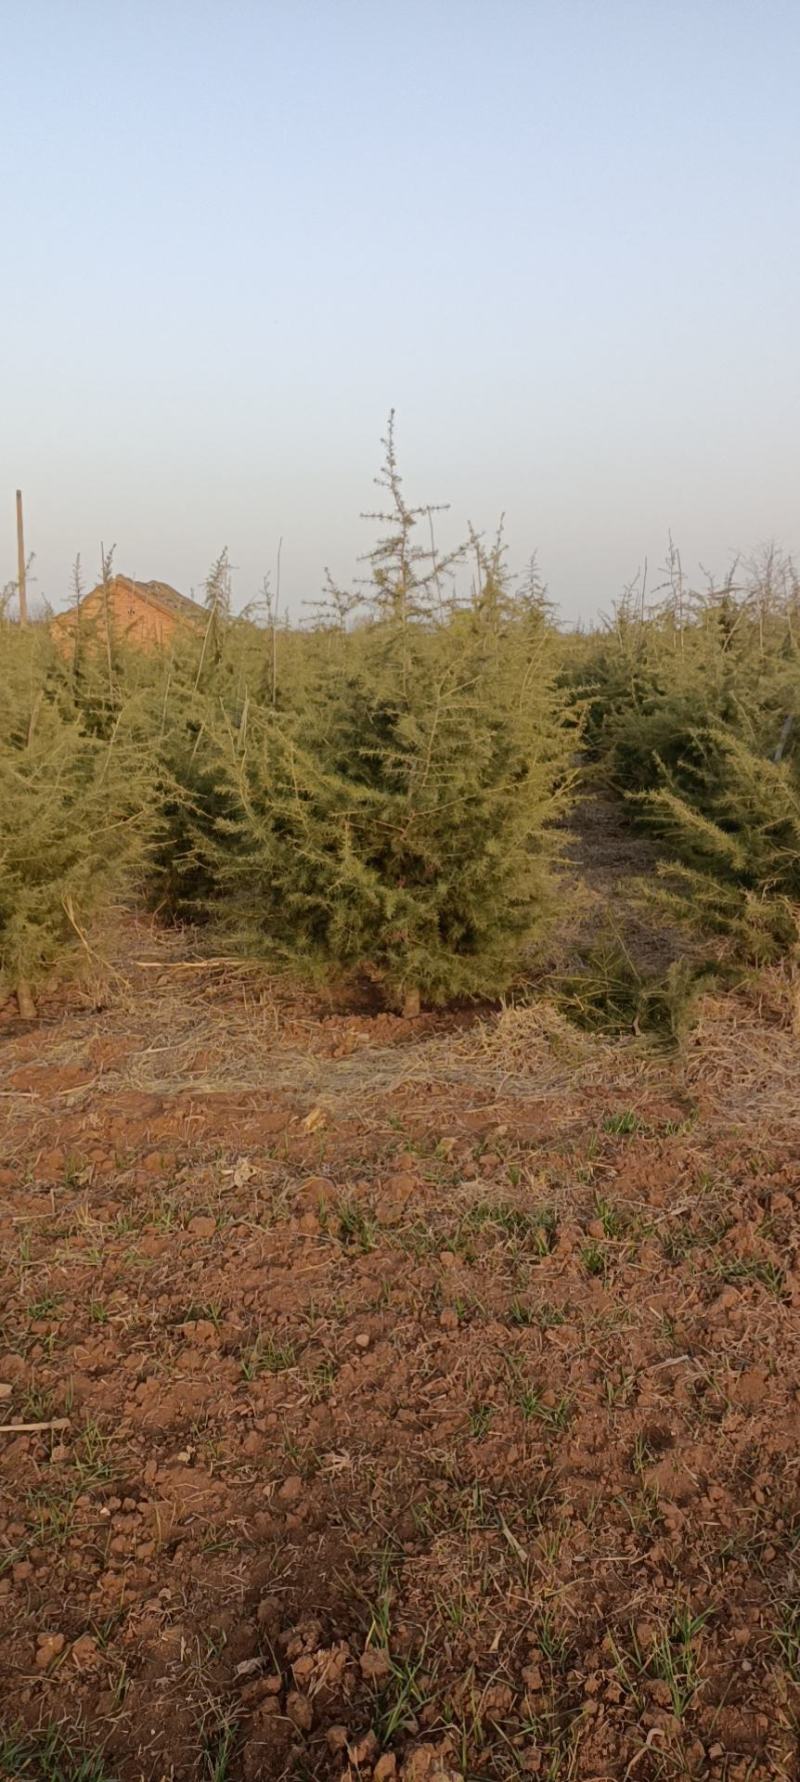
(419, 1397)
(399, 1176)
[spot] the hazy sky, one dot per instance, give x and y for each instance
(559, 236)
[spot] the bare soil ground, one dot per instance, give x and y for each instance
(431, 1392)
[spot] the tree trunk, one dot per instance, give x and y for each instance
(25, 1002)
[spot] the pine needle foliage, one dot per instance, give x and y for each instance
(75, 812)
(198, 703)
(400, 821)
(693, 712)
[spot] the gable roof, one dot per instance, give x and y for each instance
(157, 594)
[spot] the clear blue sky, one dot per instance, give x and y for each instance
(561, 237)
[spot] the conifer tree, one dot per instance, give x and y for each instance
(401, 824)
(75, 813)
(693, 712)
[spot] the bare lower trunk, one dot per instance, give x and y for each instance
(410, 1004)
(25, 1002)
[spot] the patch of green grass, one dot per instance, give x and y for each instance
(92, 1458)
(205, 1312)
(124, 1223)
(548, 1316)
(742, 1269)
(594, 1259)
(321, 1380)
(673, 1659)
(218, 1752)
(787, 1638)
(356, 1228)
(643, 1511)
(417, 1239)
(532, 1404)
(676, 1243)
(553, 1640)
(480, 1420)
(268, 1355)
(38, 1406)
(536, 1229)
(670, 1659)
(51, 1515)
(42, 1308)
(51, 1756)
(618, 1389)
(403, 1696)
(612, 1220)
(643, 1456)
(623, 1125)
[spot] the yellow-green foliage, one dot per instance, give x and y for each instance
(395, 816)
(401, 823)
(693, 711)
(75, 809)
(375, 793)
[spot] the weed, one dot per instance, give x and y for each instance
(536, 1229)
(92, 1458)
(51, 1755)
(38, 1406)
(321, 1381)
(548, 1316)
(611, 1219)
(206, 1312)
(623, 1125)
(554, 1416)
(42, 1308)
(480, 1420)
(594, 1259)
(553, 1640)
(417, 1239)
(643, 1511)
(356, 1228)
(787, 1638)
(218, 1752)
(673, 1659)
(751, 1268)
(618, 1391)
(670, 1659)
(267, 1356)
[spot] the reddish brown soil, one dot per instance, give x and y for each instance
(432, 1394)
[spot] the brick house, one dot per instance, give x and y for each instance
(146, 613)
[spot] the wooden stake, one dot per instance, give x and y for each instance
(21, 583)
(106, 569)
(33, 1428)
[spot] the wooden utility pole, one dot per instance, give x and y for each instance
(23, 592)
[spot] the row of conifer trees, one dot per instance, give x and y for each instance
(381, 792)
(374, 794)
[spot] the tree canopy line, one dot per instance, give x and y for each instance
(383, 792)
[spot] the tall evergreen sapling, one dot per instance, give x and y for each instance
(401, 824)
